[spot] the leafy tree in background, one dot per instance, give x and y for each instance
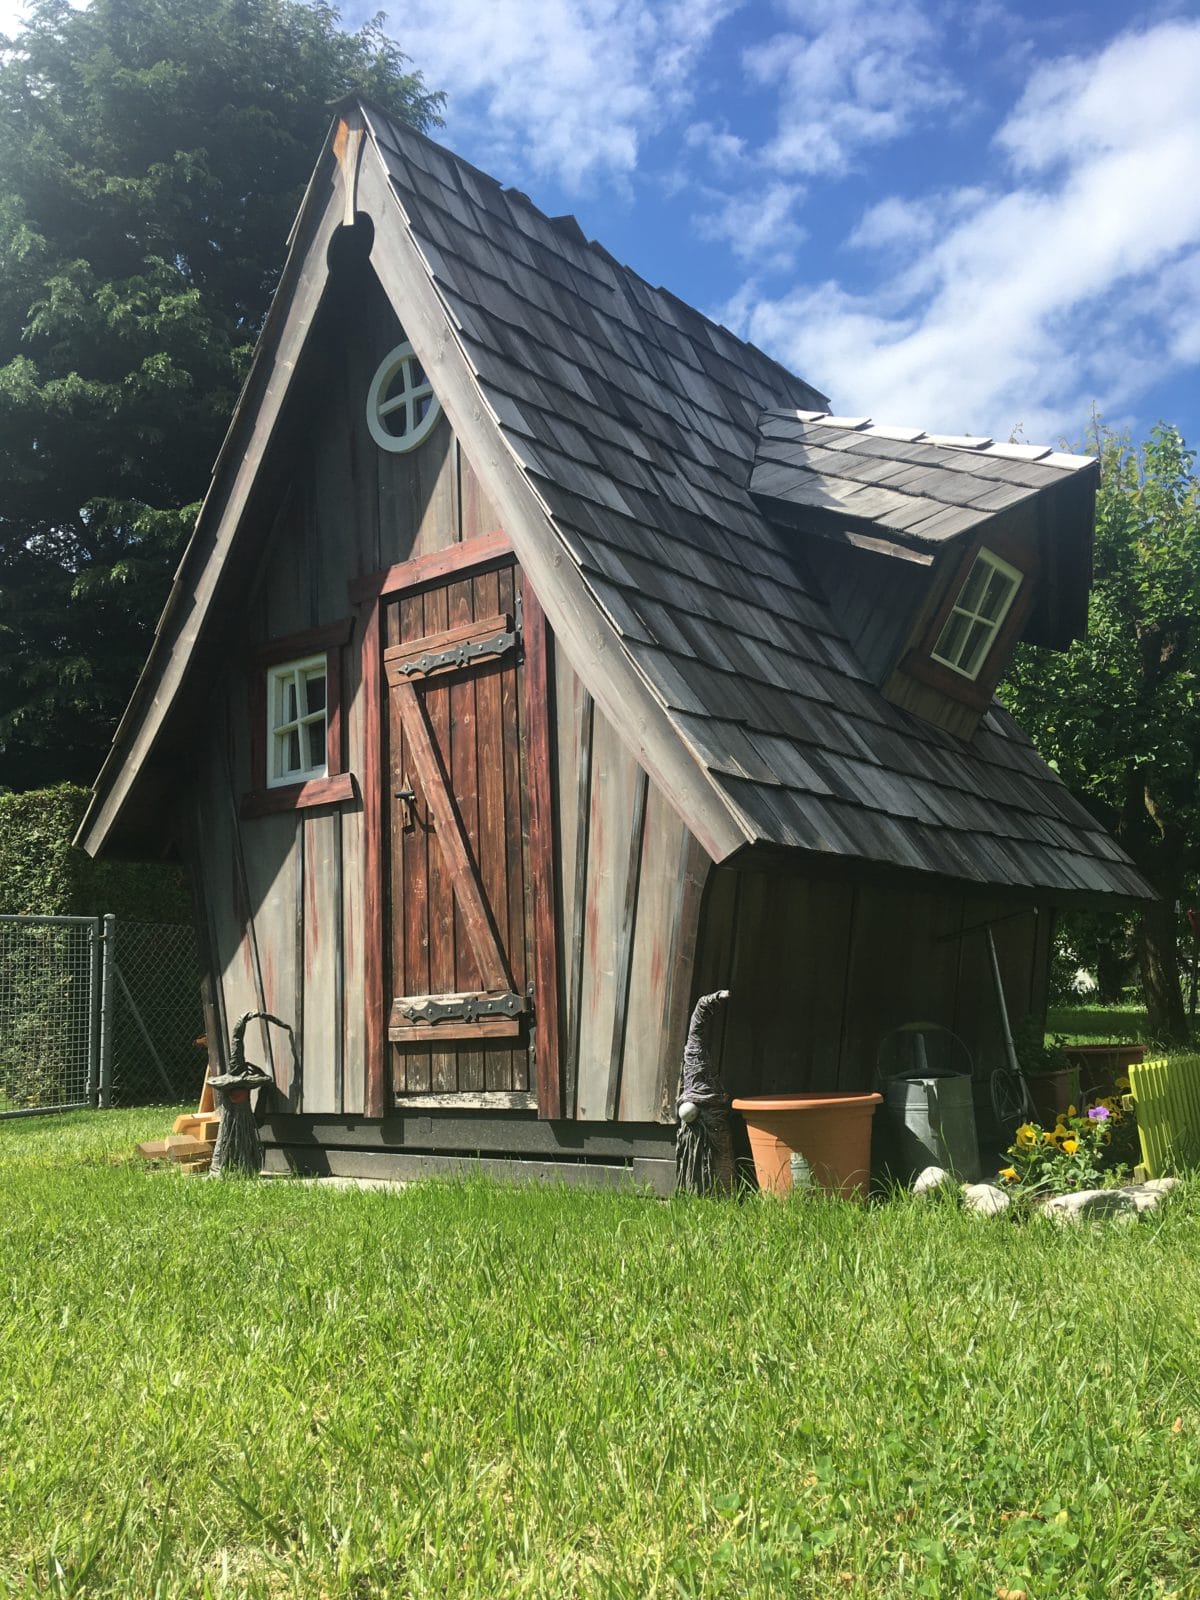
(1119, 713)
(153, 154)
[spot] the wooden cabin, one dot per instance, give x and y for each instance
(545, 656)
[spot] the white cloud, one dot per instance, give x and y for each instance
(724, 149)
(759, 227)
(1076, 282)
(564, 87)
(897, 223)
(851, 74)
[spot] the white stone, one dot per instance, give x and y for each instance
(985, 1198)
(1090, 1205)
(931, 1179)
(1160, 1185)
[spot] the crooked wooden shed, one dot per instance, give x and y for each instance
(545, 656)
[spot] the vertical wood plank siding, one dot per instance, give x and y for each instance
(547, 967)
(631, 880)
(821, 971)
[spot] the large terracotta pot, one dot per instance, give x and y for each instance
(832, 1132)
(1100, 1065)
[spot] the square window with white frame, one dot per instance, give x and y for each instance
(296, 721)
(977, 615)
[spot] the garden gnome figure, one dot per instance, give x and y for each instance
(238, 1147)
(704, 1142)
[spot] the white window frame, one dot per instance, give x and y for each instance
(973, 618)
(298, 672)
(401, 362)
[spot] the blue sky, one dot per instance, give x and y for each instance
(969, 218)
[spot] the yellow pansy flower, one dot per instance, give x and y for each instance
(1070, 1146)
(1026, 1136)
(1009, 1174)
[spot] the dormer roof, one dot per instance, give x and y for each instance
(909, 493)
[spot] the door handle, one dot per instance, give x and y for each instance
(407, 798)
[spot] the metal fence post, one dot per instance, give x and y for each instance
(108, 942)
(95, 1024)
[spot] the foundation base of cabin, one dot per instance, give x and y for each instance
(515, 1149)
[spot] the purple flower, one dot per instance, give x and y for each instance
(1099, 1113)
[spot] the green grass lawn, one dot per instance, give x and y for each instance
(270, 1389)
(1081, 1024)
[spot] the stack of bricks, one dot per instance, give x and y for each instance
(190, 1145)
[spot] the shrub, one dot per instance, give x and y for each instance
(43, 874)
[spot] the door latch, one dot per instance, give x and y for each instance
(407, 798)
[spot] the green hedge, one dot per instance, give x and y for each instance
(43, 874)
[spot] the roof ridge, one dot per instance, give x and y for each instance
(974, 444)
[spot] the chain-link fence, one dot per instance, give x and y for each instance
(50, 982)
(157, 1023)
(93, 1012)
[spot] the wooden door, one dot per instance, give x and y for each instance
(461, 951)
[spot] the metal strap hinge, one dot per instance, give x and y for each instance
(463, 1007)
(457, 655)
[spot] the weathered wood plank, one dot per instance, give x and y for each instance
(476, 513)
(656, 1176)
(428, 567)
(693, 874)
(397, 657)
(512, 756)
(411, 846)
(575, 830)
(463, 753)
(271, 866)
(425, 1127)
(470, 1100)
(492, 857)
(374, 917)
(539, 778)
(320, 961)
(624, 952)
(433, 487)
(661, 965)
(425, 714)
(610, 822)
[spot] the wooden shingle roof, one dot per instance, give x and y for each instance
(638, 421)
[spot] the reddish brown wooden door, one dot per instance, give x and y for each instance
(461, 949)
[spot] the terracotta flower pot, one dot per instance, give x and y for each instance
(832, 1132)
(1054, 1093)
(1100, 1065)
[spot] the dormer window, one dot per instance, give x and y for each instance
(977, 615)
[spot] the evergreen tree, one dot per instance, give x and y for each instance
(153, 154)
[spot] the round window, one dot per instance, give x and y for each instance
(401, 405)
